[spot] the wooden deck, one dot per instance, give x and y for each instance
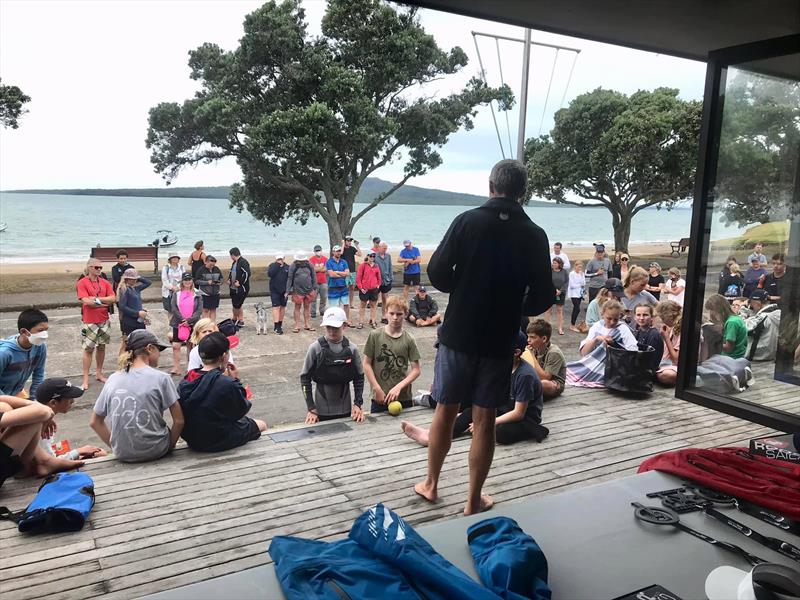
(191, 517)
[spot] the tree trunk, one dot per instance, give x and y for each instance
(335, 233)
(622, 231)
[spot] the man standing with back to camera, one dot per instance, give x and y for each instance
(495, 264)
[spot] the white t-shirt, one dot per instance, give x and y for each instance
(621, 332)
(563, 257)
(577, 284)
(133, 406)
(195, 362)
(675, 297)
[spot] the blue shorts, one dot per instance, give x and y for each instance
(338, 296)
(278, 300)
(470, 380)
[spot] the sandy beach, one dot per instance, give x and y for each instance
(59, 276)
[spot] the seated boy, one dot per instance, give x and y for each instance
(332, 363)
(59, 395)
(215, 405)
(388, 353)
(23, 355)
(423, 309)
(520, 419)
(22, 423)
(546, 358)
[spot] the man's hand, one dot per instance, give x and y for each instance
(236, 284)
(394, 393)
(143, 313)
(357, 414)
(311, 418)
(91, 452)
(49, 429)
(232, 371)
(380, 397)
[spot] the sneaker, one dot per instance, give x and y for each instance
(279, 331)
(240, 324)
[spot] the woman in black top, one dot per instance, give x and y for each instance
(197, 259)
(655, 280)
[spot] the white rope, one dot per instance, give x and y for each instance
(549, 85)
(571, 69)
(503, 82)
(491, 103)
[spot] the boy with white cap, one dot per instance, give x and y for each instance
(332, 363)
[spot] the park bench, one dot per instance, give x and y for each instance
(679, 247)
(135, 253)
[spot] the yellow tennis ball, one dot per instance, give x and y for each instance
(395, 408)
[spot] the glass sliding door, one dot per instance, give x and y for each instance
(740, 347)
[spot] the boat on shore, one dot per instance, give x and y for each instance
(164, 239)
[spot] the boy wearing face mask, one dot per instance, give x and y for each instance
(24, 355)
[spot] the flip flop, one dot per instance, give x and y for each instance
(310, 329)
(295, 330)
(360, 326)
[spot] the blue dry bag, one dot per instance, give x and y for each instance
(62, 504)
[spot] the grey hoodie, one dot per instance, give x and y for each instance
(302, 279)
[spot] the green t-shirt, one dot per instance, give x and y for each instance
(391, 358)
(735, 331)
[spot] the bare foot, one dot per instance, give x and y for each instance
(486, 504)
(85, 384)
(427, 491)
(418, 434)
(56, 465)
(100, 377)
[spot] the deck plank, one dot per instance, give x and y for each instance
(196, 516)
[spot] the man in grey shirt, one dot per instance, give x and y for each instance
(597, 270)
(384, 261)
(332, 363)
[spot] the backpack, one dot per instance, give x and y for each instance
(62, 503)
(335, 368)
(227, 327)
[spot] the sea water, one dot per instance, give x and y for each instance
(51, 227)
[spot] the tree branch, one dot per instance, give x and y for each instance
(380, 198)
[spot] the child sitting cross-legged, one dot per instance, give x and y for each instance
(59, 395)
(214, 404)
(589, 371)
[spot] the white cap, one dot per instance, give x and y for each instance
(730, 583)
(279, 255)
(334, 317)
(300, 256)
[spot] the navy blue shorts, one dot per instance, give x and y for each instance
(278, 299)
(470, 380)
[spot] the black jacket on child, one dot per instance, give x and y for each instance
(214, 408)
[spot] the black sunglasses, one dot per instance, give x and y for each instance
(98, 268)
(624, 259)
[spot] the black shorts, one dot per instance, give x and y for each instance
(370, 296)
(238, 297)
(411, 279)
(9, 465)
(211, 302)
(278, 299)
(469, 379)
(385, 289)
(128, 328)
(167, 303)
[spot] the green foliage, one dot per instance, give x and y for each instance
(309, 119)
(11, 101)
(625, 152)
(759, 145)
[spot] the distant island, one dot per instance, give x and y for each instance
(408, 194)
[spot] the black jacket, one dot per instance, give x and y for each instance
(242, 274)
(495, 263)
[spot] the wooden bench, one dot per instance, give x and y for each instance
(135, 253)
(680, 246)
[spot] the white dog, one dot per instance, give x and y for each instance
(261, 318)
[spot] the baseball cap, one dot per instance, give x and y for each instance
(213, 346)
(317, 248)
(279, 256)
(348, 238)
(422, 289)
(614, 286)
(130, 274)
(759, 294)
(765, 581)
(140, 338)
(521, 341)
(56, 388)
(407, 242)
(600, 247)
(186, 277)
(173, 255)
(300, 256)
(656, 265)
(337, 248)
(334, 317)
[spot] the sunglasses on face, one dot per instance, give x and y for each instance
(623, 259)
(98, 268)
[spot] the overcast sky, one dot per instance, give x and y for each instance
(94, 69)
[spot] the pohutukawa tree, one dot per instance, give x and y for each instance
(308, 119)
(12, 100)
(624, 152)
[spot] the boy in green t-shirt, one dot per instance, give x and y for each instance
(734, 337)
(546, 358)
(388, 353)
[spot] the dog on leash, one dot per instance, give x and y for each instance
(261, 318)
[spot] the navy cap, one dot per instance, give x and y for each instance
(614, 286)
(56, 388)
(759, 294)
(213, 346)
